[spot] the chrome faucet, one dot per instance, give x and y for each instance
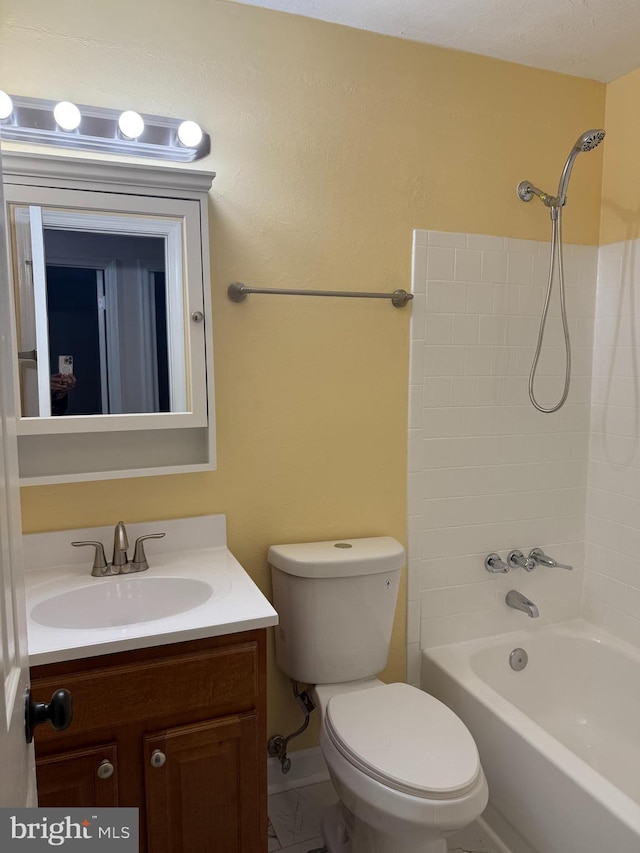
(120, 559)
(539, 558)
(518, 601)
(119, 564)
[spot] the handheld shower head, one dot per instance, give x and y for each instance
(587, 141)
(590, 139)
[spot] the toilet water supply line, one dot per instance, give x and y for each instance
(277, 745)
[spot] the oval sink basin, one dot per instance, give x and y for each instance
(121, 601)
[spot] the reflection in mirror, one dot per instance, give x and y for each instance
(102, 330)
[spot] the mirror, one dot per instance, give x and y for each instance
(95, 332)
(112, 305)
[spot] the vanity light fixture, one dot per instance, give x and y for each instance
(67, 116)
(131, 124)
(190, 134)
(44, 122)
(6, 106)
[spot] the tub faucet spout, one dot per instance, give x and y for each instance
(518, 601)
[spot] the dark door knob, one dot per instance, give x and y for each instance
(59, 712)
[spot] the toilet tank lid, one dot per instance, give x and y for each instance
(338, 557)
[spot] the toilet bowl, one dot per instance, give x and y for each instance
(405, 768)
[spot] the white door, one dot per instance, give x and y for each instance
(17, 768)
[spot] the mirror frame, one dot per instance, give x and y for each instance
(174, 192)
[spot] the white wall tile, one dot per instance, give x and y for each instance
(434, 632)
(466, 329)
(439, 329)
(494, 266)
(480, 298)
(485, 243)
(447, 239)
(419, 269)
(525, 247)
(491, 330)
(453, 297)
(477, 361)
(413, 622)
(612, 527)
(416, 394)
(413, 664)
(437, 392)
(471, 597)
(416, 361)
(488, 472)
(440, 263)
(468, 265)
(519, 269)
(433, 603)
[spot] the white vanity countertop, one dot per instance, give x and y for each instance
(235, 605)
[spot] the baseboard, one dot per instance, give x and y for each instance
(307, 768)
(503, 835)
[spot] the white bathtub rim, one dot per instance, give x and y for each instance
(454, 660)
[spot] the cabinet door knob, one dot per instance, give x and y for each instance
(59, 712)
(105, 770)
(158, 758)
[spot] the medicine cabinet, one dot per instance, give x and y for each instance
(110, 271)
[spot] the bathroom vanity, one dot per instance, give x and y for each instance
(177, 730)
(169, 712)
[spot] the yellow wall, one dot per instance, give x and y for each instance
(621, 172)
(331, 145)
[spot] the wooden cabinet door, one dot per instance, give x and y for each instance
(73, 780)
(205, 796)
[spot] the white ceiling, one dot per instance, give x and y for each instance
(599, 39)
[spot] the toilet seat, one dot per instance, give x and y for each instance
(405, 739)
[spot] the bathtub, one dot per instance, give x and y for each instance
(559, 741)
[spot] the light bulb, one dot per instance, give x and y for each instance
(67, 115)
(6, 105)
(190, 134)
(131, 124)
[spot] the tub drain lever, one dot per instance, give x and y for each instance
(277, 745)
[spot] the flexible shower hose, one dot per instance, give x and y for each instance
(556, 248)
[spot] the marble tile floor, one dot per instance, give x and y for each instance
(295, 817)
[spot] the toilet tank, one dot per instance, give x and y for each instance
(336, 602)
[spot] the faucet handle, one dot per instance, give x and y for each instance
(517, 560)
(538, 556)
(100, 565)
(494, 564)
(139, 562)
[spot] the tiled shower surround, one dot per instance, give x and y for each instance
(487, 472)
(612, 560)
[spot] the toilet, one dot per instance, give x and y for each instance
(405, 768)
